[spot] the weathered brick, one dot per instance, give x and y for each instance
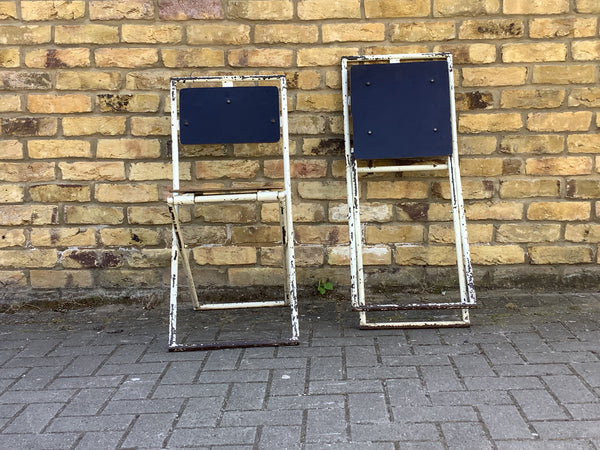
(587, 6)
(492, 255)
(28, 259)
(228, 213)
(282, 34)
(148, 258)
(476, 145)
(532, 144)
(91, 259)
(130, 237)
(12, 238)
(158, 171)
(396, 8)
(302, 212)
(126, 57)
(562, 211)
(10, 103)
(328, 56)
(54, 279)
(57, 58)
(397, 189)
(128, 102)
(372, 255)
(224, 256)
(193, 57)
(583, 143)
(481, 167)
(29, 126)
(588, 97)
(151, 34)
(11, 193)
(353, 32)
(121, 9)
(444, 233)
(471, 189)
(433, 255)
(92, 171)
(564, 74)
(532, 98)
(52, 10)
(55, 148)
(128, 148)
(494, 76)
(124, 193)
(96, 80)
(226, 169)
(63, 237)
(153, 215)
(25, 34)
(257, 150)
(298, 169)
(261, 9)
(369, 212)
(255, 234)
(59, 104)
(104, 215)
(258, 276)
(529, 188)
(582, 188)
(54, 193)
(9, 57)
(465, 8)
(588, 232)
(323, 9)
(423, 31)
(24, 80)
(559, 121)
(23, 172)
(8, 10)
(86, 34)
(321, 234)
(571, 165)
(493, 122)
(88, 125)
(307, 255)
(553, 254)
(491, 29)
(18, 215)
(124, 279)
(535, 6)
(11, 149)
(494, 210)
(324, 190)
(225, 34)
(308, 101)
(382, 234)
(466, 54)
(536, 52)
(260, 57)
(550, 28)
(586, 50)
(189, 9)
(525, 232)
(150, 126)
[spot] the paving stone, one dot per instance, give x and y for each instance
(45, 441)
(34, 418)
(504, 422)
(466, 435)
(538, 405)
(288, 437)
(569, 389)
(150, 430)
(204, 412)
(368, 408)
(91, 423)
(182, 437)
(88, 402)
(95, 440)
(327, 425)
(247, 396)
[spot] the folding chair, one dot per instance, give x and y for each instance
(232, 109)
(402, 106)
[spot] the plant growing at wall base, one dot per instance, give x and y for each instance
(324, 286)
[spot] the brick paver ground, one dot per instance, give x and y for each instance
(525, 375)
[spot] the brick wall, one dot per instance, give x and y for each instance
(84, 150)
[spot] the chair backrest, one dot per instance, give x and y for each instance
(401, 109)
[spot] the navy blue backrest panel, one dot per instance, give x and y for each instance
(401, 110)
(219, 115)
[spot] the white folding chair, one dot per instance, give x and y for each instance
(230, 110)
(397, 107)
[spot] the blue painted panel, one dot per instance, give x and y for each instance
(219, 115)
(401, 110)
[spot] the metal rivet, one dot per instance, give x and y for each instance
(435, 130)
(369, 132)
(432, 81)
(228, 101)
(272, 120)
(186, 123)
(368, 83)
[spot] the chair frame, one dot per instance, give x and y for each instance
(180, 197)
(465, 273)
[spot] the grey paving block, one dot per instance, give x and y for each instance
(441, 378)
(182, 437)
(515, 370)
(538, 405)
(281, 437)
(39, 347)
(36, 378)
(88, 401)
(584, 411)
(472, 365)
(91, 423)
(46, 396)
(126, 369)
(136, 387)
(326, 368)
(181, 372)
(502, 383)
(190, 390)
(150, 430)
(407, 393)
(588, 429)
(100, 381)
(272, 363)
(288, 382)
(34, 418)
(142, 406)
(466, 435)
(83, 366)
(440, 414)
(502, 353)
(380, 373)
(327, 425)
(504, 422)
(255, 418)
(201, 412)
(569, 444)
(569, 389)
(45, 441)
(233, 376)
(95, 440)
(345, 386)
(246, 396)
(394, 432)
(361, 356)
(306, 402)
(590, 372)
(471, 398)
(368, 408)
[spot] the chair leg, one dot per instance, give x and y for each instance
(289, 264)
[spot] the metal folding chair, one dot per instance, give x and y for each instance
(399, 111)
(226, 110)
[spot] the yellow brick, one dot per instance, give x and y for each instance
(285, 34)
(53, 193)
(9, 57)
(322, 234)
(94, 215)
(86, 34)
(193, 57)
(465, 7)
(150, 126)
(10, 103)
(22, 172)
(255, 276)
(97, 80)
(13, 238)
(587, 97)
(562, 211)
(59, 104)
(121, 9)
(54, 279)
(8, 10)
(588, 232)
(372, 255)
(498, 210)
(215, 34)
(118, 193)
(559, 166)
(261, 9)
(128, 148)
(493, 122)
(396, 49)
(536, 52)
(148, 257)
(143, 171)
(382, 234)
(261, 57)
(491, 29)
(581, 188)
(324, 9)
(325, 56)
(494, 76)
(308, 101)
(481, 167)
(437, 255)
(564, 74)
(87, 125)
(369, 212)
(563, 121)
(423, 31)
(345, 32)
(492, 255)
(63, 237)
(229, 213)
(11, 149)
(226, 169)
(151, 34)
(19, 215)
(528, 233)
(25, 35)
(92, 171)
(52, 10)
(476, 145)
(28, 259)
(302, 212)
(126, 57)
(444, 234)
(307, 124)
(54, 148)
(134, 237)
(583, 143)
(547, 254)
(397, 189)
(532, 98)
(532, 144)
(153, 215)
(529, 188)
(550, 28)
(255, 234)
(224, 256)
(586, 50)
(58, 58)
(298, 169)
(469, 53)
(397, 8)
(588, 6)
(535, 6)
(11, 194)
